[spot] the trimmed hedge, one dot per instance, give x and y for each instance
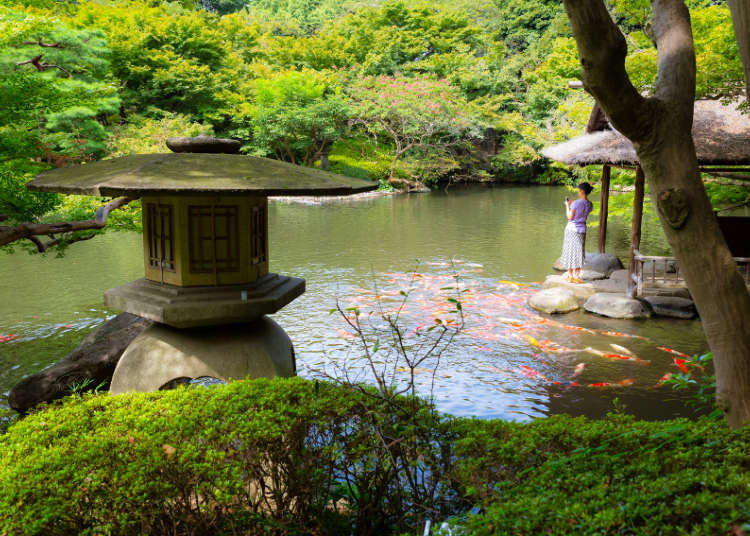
(299, 457)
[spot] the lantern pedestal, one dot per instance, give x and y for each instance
(189, 307)
(162, 354)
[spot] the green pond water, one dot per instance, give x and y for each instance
(345, 250)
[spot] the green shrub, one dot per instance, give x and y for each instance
(301, 457)
(565, 475)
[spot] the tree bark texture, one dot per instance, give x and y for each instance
(741, 20)
(635, 231)
(660, 128)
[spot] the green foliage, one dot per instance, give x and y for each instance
(301, 457)
(295, 115)
(566, 475)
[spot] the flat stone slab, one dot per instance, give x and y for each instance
(581, 291)
(186, 307)
(673, 307)
(554, 300)
(617, 306)
(616, 286)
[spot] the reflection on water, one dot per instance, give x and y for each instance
(346, 248)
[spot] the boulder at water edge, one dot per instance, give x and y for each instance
(554, 300)
(94, 359)
(605, 263)
(617, 306)
(672, 306)
(581, 291)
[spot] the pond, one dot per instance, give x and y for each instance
(500, 241)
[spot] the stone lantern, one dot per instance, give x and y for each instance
(207, 284)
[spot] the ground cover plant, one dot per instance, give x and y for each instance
(292, 456)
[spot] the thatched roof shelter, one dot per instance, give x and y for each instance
(722, 138)
(721, 134)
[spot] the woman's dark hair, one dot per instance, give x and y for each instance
(586, 187)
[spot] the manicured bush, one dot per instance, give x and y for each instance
(565, 475)
(301, 457)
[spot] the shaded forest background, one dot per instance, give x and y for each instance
(398, 92)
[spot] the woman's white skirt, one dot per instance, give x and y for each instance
(574, 245)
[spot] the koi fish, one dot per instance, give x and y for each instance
(616, 356)
(9, 337)
(531, 373)
(345, 334)
(627, 382)
(579, 369)
(622, 349)
(618, 334)
(671, 351)
(554, 348)
(663, 379)
(532, 341)
(417, 370)
(506, 282)
(681, 365)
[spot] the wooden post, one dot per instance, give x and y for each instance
(635, 233)
(604, 208)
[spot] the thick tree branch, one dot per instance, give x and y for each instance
(741, 20)
(602, 53)
(42, 66)
(42, 44)
(675, 81)
(31, 231)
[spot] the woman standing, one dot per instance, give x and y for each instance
(574, 244)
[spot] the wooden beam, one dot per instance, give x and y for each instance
(604, 208)
(635, 232)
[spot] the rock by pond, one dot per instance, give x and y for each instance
(617, 306)
(605, 263)
(93, 360)
(672, 306)
(554, 300)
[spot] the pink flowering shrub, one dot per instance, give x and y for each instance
(413, 113)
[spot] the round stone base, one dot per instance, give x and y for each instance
(161, 354)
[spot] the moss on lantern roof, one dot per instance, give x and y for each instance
(190, 173)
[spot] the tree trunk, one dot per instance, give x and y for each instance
(635, 231)
(741, 20)
(604, 208)
(660, 128)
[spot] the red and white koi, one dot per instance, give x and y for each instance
(663, 379)
(672, 351)
(9, 337)
(554, 348)
(579, 369)
(621, 357)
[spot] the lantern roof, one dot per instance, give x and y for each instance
(197, 174)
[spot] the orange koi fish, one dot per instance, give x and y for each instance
(627, 382)
(579, 369)
(618, 334)
(671, 351)
(345, 334)
(9, 337)
(531, 373)
(663, 379)
(681, 365)
(554, 348)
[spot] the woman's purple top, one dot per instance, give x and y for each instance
(582, 210)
